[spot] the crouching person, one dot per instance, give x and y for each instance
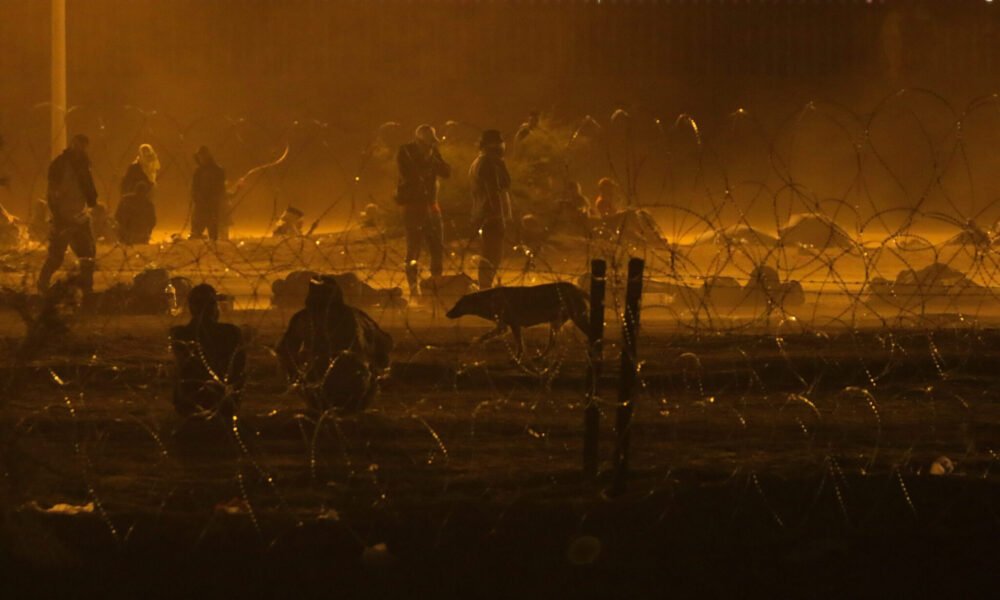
(333, 353)
(210, 359)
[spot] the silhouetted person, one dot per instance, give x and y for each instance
(208, 195)
(527, 128)
(606, 203)
(210, 359)
(136, 216)
(333, 352)
(71, 197)
(290, 224)
(145, 169)
(420, 166)
(136, 213)
(491, 210)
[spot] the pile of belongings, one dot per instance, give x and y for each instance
(816, 231)
(935, 288)
(151, 292)
(290, 291)
(764, 290)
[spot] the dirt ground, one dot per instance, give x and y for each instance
(824, 452)
(799, 464)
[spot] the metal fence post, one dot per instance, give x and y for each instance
(629, 372)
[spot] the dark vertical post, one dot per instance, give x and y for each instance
(628, 376)
(595, 357)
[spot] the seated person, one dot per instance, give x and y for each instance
(332, 352)
(136, 215)
(210, 359)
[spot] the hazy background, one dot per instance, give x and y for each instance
(248, 77)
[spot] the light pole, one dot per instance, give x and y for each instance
(58, 104)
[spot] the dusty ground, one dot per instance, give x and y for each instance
(769, 456)
(761, 465)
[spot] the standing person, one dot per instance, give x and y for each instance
(491, 210)
(420, 166)
(136, 216)
(136, 213)
(208, 195)
(71, 196)
(606, 203)
(210, 359)
(144, 169)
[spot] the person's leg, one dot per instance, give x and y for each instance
(414, 224)
(148, 221)
(212, 224)
(434, 234)
(492, 252)
(83, 245)
(58, 242)
(223, 221)
(198, 222)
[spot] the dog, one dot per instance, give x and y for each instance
(516, 307)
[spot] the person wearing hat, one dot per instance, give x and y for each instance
(71, 198)
(333, 353)
(420, 166)
(210, 359)
(491, 210)
(209, 196)
(290, 223)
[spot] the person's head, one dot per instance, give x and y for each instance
(324, 292)
(79, 144)
(491, 140)
(533, 118)
(203, 156)
(607, 187)
(147, 154)
(149, 161)
(203, 302)
(426, 135)
(292, 215)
